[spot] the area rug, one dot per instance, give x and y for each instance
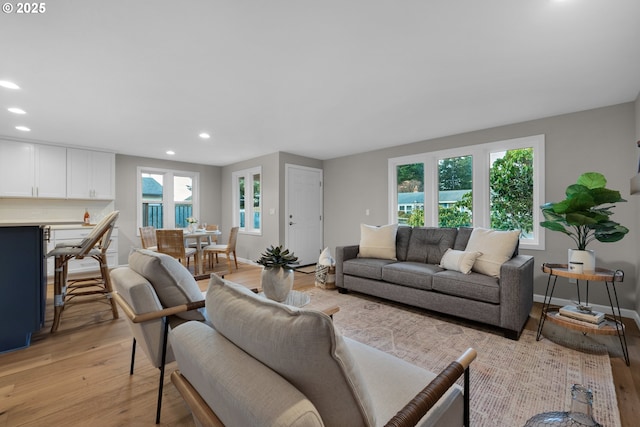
(510, 380)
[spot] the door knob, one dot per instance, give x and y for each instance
(291, 223)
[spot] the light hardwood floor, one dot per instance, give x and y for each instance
(79, 376)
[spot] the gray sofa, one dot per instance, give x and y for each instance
(416, 278)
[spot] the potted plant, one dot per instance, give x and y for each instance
(277, 274)
(193, 223)
(584, 216)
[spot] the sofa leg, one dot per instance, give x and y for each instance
(512, 335)
(343, 290)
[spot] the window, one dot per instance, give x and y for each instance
(455, 190)
(496, 185)
(247, 200)
(166, 198)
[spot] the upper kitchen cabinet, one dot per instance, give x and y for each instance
(90, 174)
(32, 170)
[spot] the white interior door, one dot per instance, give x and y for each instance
(303, 215)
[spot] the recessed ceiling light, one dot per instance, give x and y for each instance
(9, 85)
(171, 153)
(204, 135)
(23, 128)
(17, 110)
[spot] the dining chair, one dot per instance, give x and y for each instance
(227, 249)
(148, 238)
(85, 289)
(171, 242)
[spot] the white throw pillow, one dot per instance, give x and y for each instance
(461, 261)
(496, 246)
(378, 242)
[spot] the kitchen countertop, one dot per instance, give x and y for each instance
(40, 223)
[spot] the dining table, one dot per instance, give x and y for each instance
(199, 235)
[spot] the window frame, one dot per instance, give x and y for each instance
(168, 204)
(248, 175)
(481, 197)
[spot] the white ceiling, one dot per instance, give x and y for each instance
(322, 78)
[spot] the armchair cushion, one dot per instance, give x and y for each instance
(173, 283)
(300, 345)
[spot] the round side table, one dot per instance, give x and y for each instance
(612, 325)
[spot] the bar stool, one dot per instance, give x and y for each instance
(98, 288)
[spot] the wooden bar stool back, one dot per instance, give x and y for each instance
(88, 289)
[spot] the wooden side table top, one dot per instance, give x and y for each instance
(600, 275)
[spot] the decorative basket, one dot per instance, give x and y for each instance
(325, 276)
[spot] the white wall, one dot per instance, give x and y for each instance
(601, 140)
(636, 201)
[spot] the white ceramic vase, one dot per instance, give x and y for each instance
(586, 257)
(277, 283)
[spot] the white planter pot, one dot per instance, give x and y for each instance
(276, 283)
(586, 257)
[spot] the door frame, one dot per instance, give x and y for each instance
(288, 167)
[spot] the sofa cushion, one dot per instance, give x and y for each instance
(402, 242)
(300, 345)
(378, 242)
(474, 286)
(462, 238)
(412, 274)
(428, 244)
(171, 280)
(371, 268)
(459, 260)
(496, 246)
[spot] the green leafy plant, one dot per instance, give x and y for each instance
(276, 256)
(584, 214)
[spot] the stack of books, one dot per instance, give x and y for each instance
(576, 313)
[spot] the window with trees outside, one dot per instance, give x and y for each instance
(166, 198)
(497, 185)
(247, 200)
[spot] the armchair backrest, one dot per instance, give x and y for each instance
(300, 345)
(139, 294)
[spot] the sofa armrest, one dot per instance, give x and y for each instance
(344, 253)
(516, 292)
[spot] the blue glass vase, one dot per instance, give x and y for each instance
(581, 413)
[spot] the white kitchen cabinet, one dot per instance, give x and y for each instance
(32, 170)
(88, 264)
(90, 174)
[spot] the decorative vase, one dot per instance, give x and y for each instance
(277, 283)
(586, 257)
(580, 414)
(192, 227)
